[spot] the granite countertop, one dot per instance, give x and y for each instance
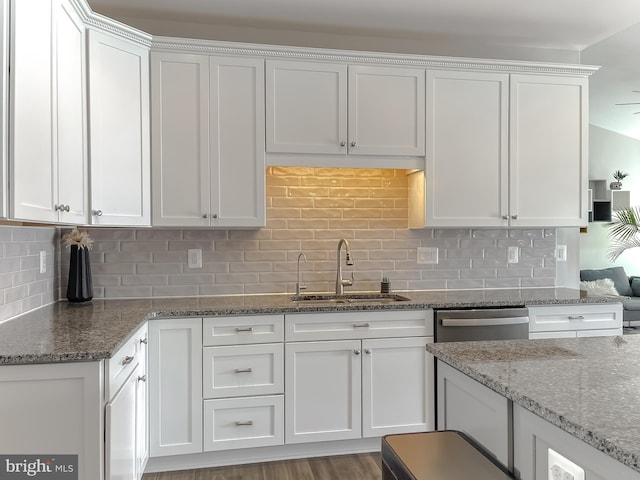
(65, 332)
(589, 387)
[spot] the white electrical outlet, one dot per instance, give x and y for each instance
(194, 258)
(427, 255)
(561, 468)
(43, 261)
(513, 253)
(561, 253)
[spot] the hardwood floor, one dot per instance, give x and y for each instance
(365, 466)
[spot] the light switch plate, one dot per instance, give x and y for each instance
(194, 258)
(427, 255)
(513, 254)
(43, 261)
(561, 253)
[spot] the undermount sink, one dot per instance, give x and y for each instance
(350, 298)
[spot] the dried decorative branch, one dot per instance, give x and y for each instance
(76, 237)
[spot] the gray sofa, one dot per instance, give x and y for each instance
(627, 286)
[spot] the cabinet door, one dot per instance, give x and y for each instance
(306, 107)
(119, 131)
(180, 139)
(548, 151)
(467, 131)
(54, 408)
(386, 111)
(468, 406)
(33, 170)
(120, 432)
(322, 385)
(4, 105)
(237, 142)
(142, 411)
(71, 141)
(175, 386)
(396, 379)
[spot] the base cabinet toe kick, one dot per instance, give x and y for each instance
(238, 389)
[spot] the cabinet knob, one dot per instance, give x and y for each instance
(514, 217)
(127, 360)
(505, 217)
(67, 208)
(97, 213)
(357, 352)
(353, 144)
(57, 207)
(205, 215)
(342, 144)
(144, 340)
(367, 351)
(142, 378)
(215, 215)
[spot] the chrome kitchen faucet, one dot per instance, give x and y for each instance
(342, 282)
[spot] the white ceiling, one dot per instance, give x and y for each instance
(559, 24)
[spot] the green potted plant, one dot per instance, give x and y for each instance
(618, 175)
(624, 231)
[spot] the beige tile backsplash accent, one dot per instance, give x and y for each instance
(309, 210)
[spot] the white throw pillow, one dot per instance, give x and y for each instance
(598, 288)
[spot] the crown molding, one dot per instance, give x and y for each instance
(99, 22)
(186, 45)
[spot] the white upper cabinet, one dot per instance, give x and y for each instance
(208, 140)
(335, 109)
(467, 175)
(48, 176)
(548, 151)
(505, 150)
(119, 130)
(386, 111)
(306, 107)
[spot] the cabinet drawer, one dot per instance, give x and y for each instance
(123, 362)
(242, 330)
(360, 324)
(242, 370)
(575, 317)
(243, 422)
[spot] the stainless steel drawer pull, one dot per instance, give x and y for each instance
(246, 423)
(127, 360)
(576, 317)
(244, 329)
(360, 325)
(244, 370)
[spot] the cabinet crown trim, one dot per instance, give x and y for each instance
(99, 22)
(170, 44)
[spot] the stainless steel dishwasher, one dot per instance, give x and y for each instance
(482, 324)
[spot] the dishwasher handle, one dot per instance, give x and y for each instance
(482, 322)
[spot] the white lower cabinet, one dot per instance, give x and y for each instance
(468, 406)
(357, 387)
(243, 422)
(570, 321)
(175, 386)
(243, 385)
(126, 438)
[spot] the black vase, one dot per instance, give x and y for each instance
(80, 287)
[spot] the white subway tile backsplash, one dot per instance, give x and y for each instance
(308, 210)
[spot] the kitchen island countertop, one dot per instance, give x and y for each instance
(588, 387)
(64, 332)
